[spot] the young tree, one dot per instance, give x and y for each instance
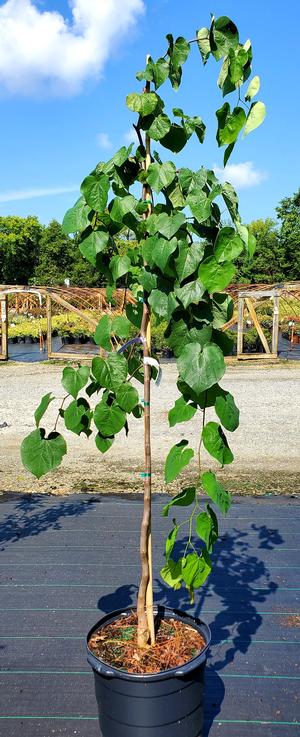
(177, 278)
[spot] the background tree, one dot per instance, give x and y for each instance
(19, 248)
(56, 256)
(288, 211)
(268, 264)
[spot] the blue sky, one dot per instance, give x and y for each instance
(63, 89)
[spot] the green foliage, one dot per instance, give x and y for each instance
(19, 248)
(181, 260)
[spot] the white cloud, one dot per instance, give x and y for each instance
(30, 194)
(104, 141)
(41, 51)
(130, 137)
(241, 175)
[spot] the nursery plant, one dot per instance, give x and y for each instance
(183, 260)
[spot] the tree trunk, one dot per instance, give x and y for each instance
(146, 632)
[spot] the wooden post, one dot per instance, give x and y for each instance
(4, 327)
(49, 325)
(257, 324)
(240, 326)
(275, 331)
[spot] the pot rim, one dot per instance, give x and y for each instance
(103, 668)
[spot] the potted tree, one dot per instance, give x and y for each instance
(183, 261)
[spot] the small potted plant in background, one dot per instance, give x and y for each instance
(144, 660)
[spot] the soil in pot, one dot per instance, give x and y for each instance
(116, 644)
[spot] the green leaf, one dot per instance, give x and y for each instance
(73, 380)
(95, 189)
(162, 304)
(216, 491)
(253, 88)
(199, 367)
(256, 116)
(227, 412)
(238, 59)
(171, 573)
(222, 308)
(170, 541)
(214, 276)
(161, 175)
(76, 218)
(121, 207)
(178, 457)
(167, 225)
(77, 417)
(143, 104)
(159, 127)
(225, 37)
(109, 418)
(121, 326)
(94, 243)
(180, 335)
(207, 528)
(102, 334)
(42, 408)
(188, 259)
(229, 124)
(178, 51)
(181, 412)
(175, 139)
(39, 454)
(251, 246)
(110, 372)
(119, 265)
(162, 251)
(134, 314)
(127, 397)
(103, 444)
(227, 153)
(228, 245)
(190, 180)
(160, 72)
(195, 569)
(199, 205)
(183, 499)
(203, 43)
(148, 279)
(216, 444)
(191, 293)
(231, 200)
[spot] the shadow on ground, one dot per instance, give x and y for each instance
(30, 517)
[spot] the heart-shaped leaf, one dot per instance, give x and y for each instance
(73, 380)
(109, 418)
(216, 444)
(201, 367)
(181, 412)
(227, 412)
(95, 189)
(178, 457)
(40, 454)
(215, 276)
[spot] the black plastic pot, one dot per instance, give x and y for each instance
(166, 704)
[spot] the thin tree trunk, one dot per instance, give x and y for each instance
(146, 631)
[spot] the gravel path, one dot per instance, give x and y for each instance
(266, 445)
